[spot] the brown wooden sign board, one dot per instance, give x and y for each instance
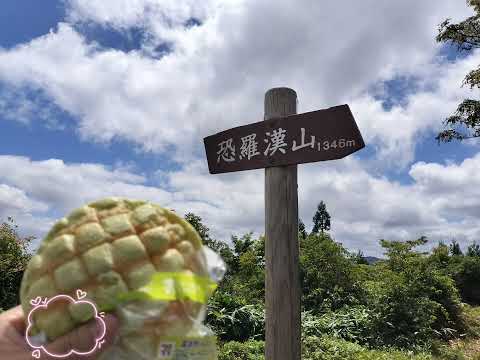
(321, 135)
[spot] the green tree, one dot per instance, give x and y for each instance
(455, 249)
(465, 123)
(321, 219)
(301, 229)
(473, 250)
(236, 308)
(259, 249)
(401, 254)
(327, 275)
(203, 231)
(466, 274)
(243, 244)
(219, 247)
(464, 270)
(14, 258)
(415, 302)
(440, 256)
(245, 276)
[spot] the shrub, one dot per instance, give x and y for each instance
(327, 275)
(443, 351)
(330, 348)
(414, 307)
(465, 270)
(467, 276)
(350, 323)
(471, 317)
(250, 350)
(317, 348)
(233, 320)
(414, 302)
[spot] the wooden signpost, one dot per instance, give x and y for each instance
(280, 142)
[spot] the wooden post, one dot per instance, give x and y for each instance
(282, 281)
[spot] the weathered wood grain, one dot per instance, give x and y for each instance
(282, 281)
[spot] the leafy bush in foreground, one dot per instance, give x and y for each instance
(250, 350)
(329, 348)
(349, 323)
(327, 275)
(233, 320)
(415, 303)
(317, 348)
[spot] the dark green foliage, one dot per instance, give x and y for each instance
(301, 230)
(228, 256)
(359, 258)
(349, 323)
(473, 250)
(467, 277)
(455, 249)
(250, 350)
(414, 301)
(471, 316)
(440, 257)
(413, 309)
(351, 310)
(465, 123)
(318, 348)
(400, 253)
(408, 301)
(246, 269)
(464, 270)
(321, 219)
(444, 352)
(243, 244)
(13, 260)
(327, 276)
(235, 311)
(203, 231)
(331, 348)
(234, 320)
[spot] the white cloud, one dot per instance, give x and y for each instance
(330, 52)
(396, 132)
(66, 186)
(26, 211)
(14, 199)
(124, 14)
(363, 208)
(454, 188)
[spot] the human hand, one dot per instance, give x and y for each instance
(13, 345)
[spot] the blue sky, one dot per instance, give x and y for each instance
(19, 23)
(158, 77)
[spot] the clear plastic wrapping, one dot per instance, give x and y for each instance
(164, 320)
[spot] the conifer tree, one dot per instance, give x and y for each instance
(301, 229)
(321, 220)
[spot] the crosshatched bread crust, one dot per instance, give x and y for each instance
(104, 248)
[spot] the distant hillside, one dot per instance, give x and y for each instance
(372, 259)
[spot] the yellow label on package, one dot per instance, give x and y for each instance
(171, 286)
(187, 348)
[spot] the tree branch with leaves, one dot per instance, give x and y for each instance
(465, 122)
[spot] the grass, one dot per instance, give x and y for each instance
(469, 346)
(331, 348)
(317, 348)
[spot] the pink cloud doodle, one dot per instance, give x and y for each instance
(41, 304)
